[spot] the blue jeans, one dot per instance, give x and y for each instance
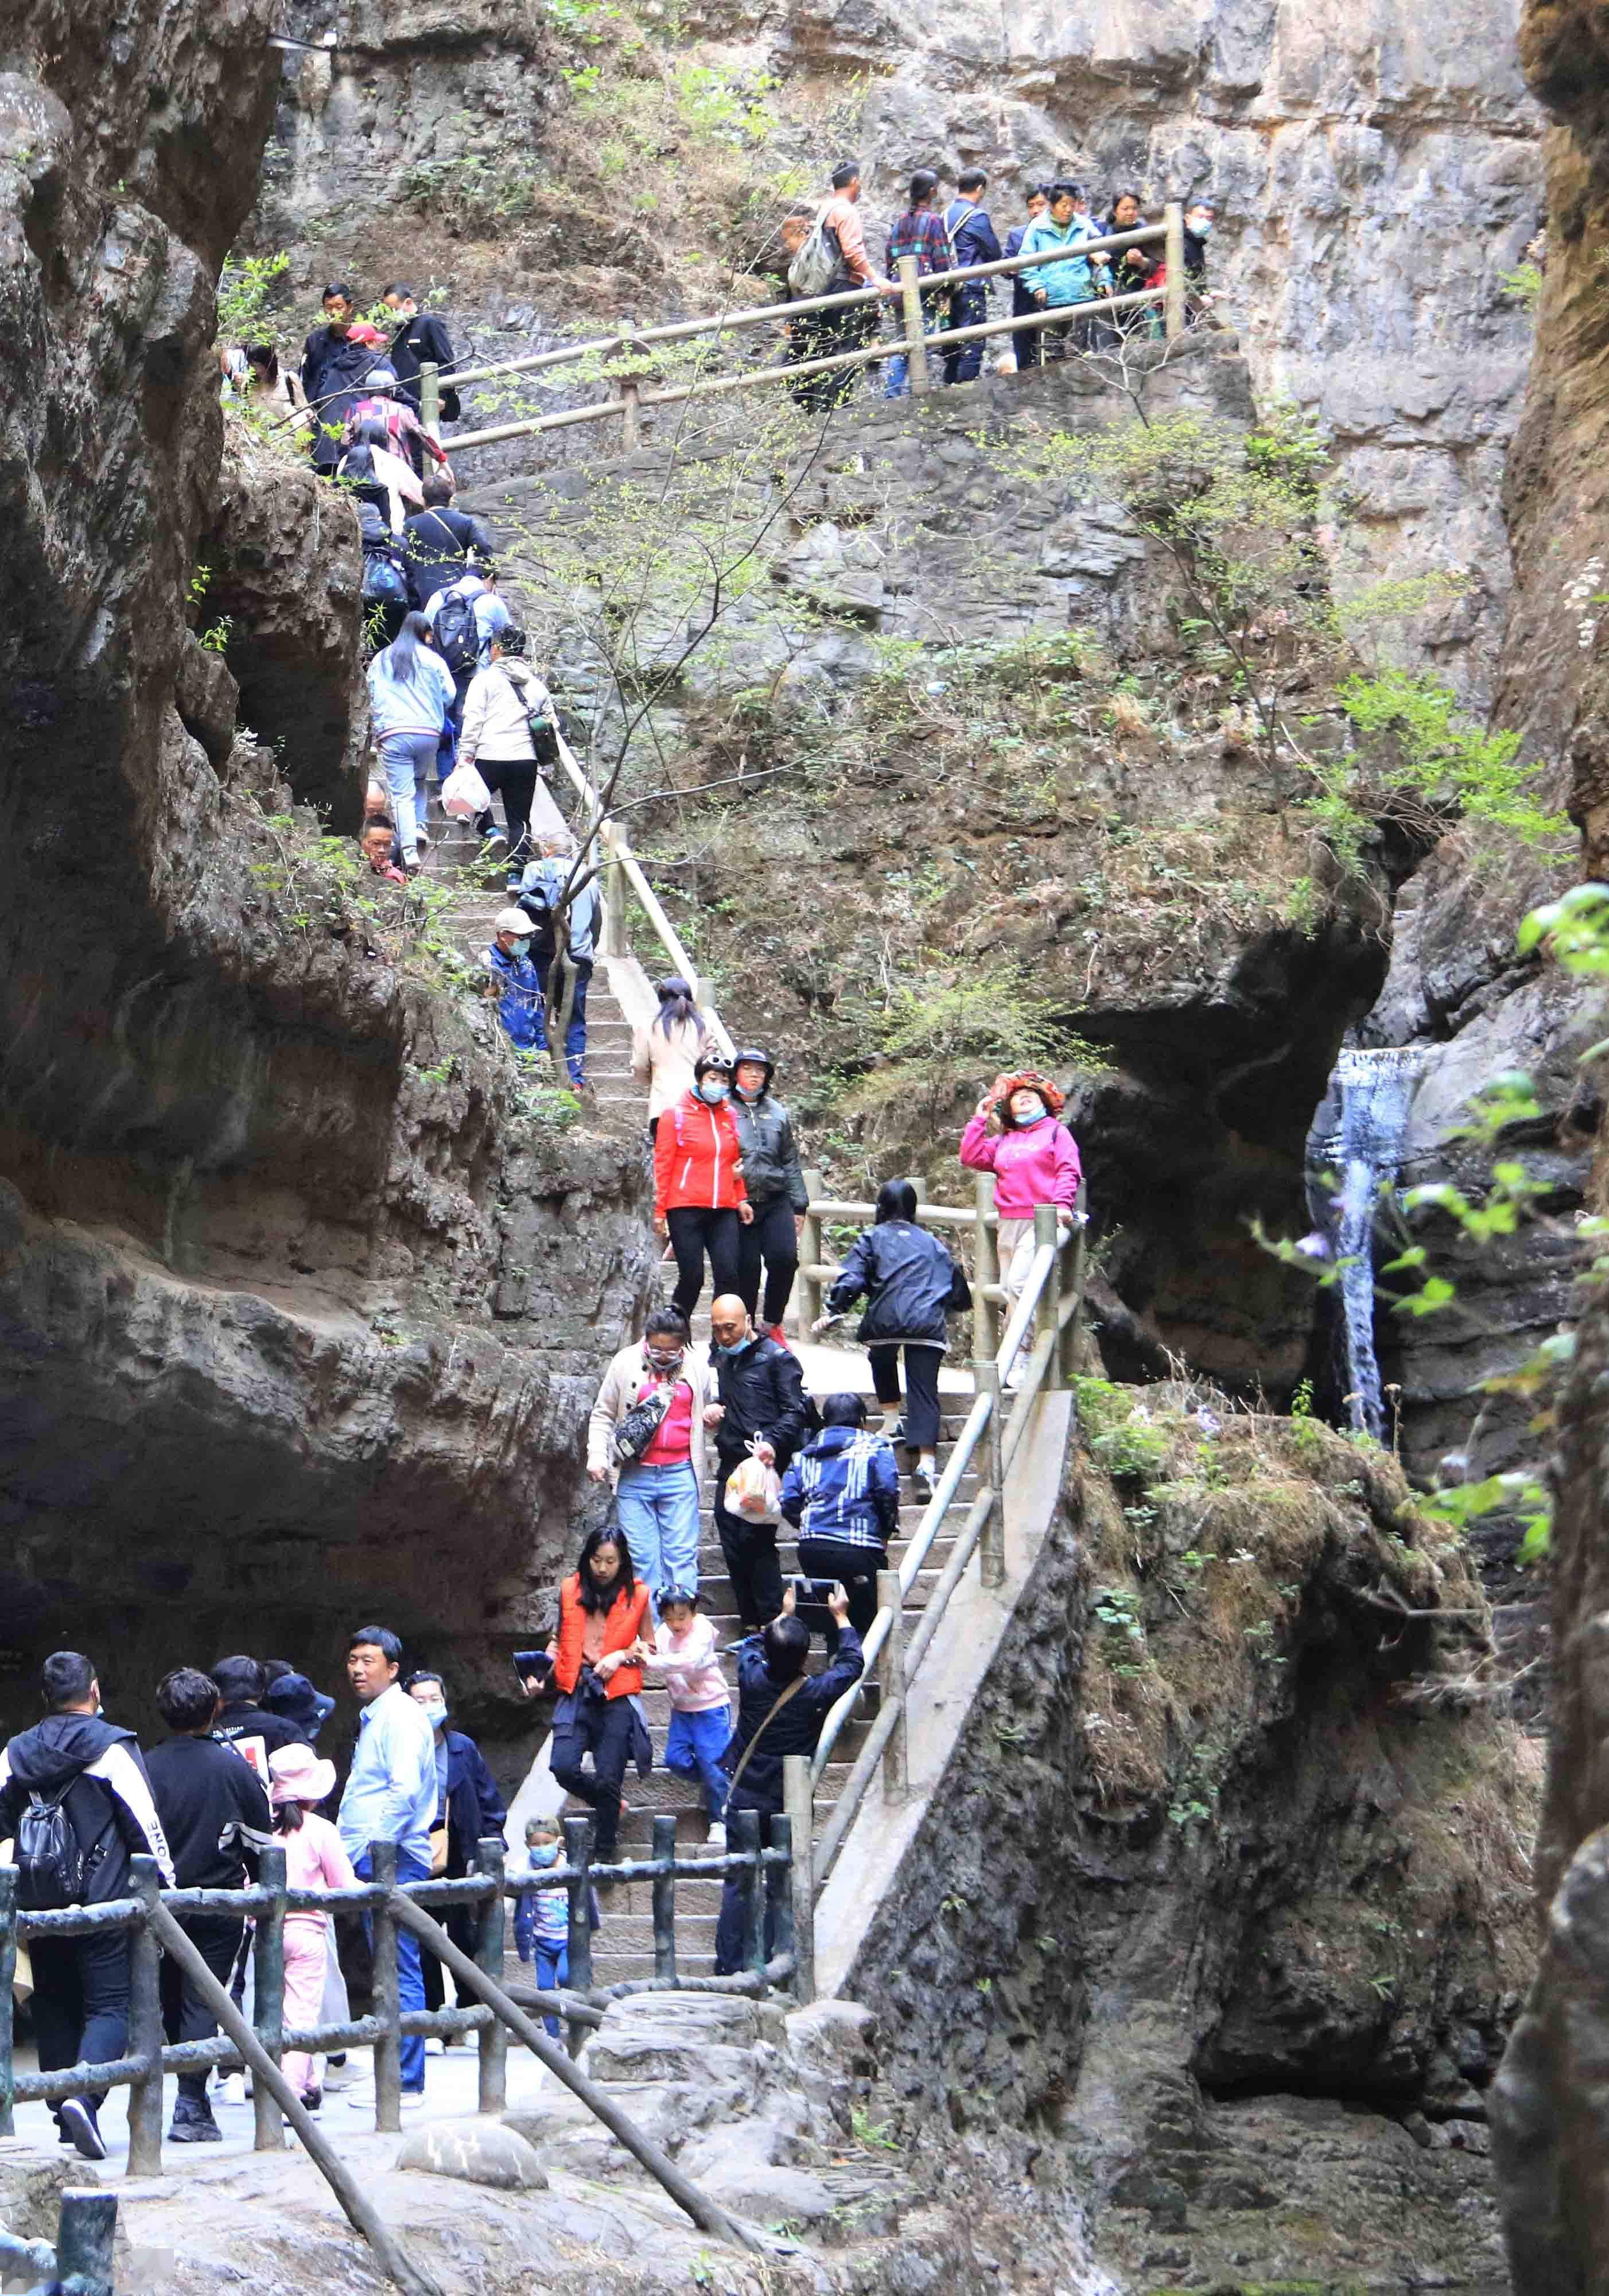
(406, 761)
(693, 1749)
(410, 1970)
(658, 1512)
(553, 1970)
(575, 1035)
(896, 376)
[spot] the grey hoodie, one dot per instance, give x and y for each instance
(110, 1806)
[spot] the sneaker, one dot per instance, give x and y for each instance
(716, 1839)
(232, 2090)
(413, 2100)
(923, 1479)
(194, 2124)
(340, 2075)
(775, 1332)
(312, 2100)
(496, 846)
(82, 2130)
(422, 841)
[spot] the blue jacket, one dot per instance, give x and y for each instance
(797, 1727)
(1061, 283)
(417, 705)
(972, 235)
(475, 1807)
(910, 1282)
(847, 1485)
(519, 1008)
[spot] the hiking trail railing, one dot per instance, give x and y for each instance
(1044, 1317)
(618, 871)
(82, 2257)
(915, 339)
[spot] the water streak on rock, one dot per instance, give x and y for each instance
(1377, 1091)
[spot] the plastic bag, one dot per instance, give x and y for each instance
(463, 794)
(754, 1491)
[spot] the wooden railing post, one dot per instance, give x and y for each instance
(986, 1313)
(779, 1889)
(891, 1682)
(86, 2236)
(1047, 1313)
(811, 1293)
(630, 419)
(1172, 306)
(798, 1802)
(269, 1991)
(614, 894)
(664, 1898)
(8, 1971)
(145, 2021)
(578, 1954)
(910, 297)
(743, 1841)
(1073, 1288)
(491, 1857)
(430, 395)
(386, 1996)
(992, 1539)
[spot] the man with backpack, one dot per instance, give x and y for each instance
(833, 260)
(541, 895)
(972, 240)
(75, 1798)
(455, 631)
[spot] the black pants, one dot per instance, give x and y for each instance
(857, 1567)
(458, 1922)
(81, 2002)
(770, 1239)
(969, 309)
(185, 2016)
(921, 1388)
(750, 1549)
(602, 1725)
(695, 1230)
(728, 1927)
(1025, 342)
(822, 335)
(516, 777)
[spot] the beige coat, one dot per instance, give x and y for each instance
(618, 1392)
(665, 1062)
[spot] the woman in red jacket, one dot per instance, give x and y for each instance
(699, 1199)
(602, 1613)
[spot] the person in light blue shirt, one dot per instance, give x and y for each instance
(390, 1796)
(492, 615)
(410, 700)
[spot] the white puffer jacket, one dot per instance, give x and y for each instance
(495, 712)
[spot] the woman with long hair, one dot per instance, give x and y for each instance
(664, 1048)
(409, 695)
(602, 1609)
(910, 1285)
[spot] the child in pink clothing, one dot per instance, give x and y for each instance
(683, 1658)
(313, 1860)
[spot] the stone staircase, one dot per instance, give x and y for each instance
(622, 1948)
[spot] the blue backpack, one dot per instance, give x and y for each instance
(383, 583)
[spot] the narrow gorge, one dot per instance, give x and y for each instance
(1199, 721)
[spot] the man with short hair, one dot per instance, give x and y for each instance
(450, 614)
(419, 338)
(760, 1408)
(541, 889)
(776, 1719)
(972, 240)
(215, 1813)
(822, 334)
(1025, 340)
(390, 1796)
(918, 233)
(440, 541)
(76, 1800)
(243, 1721)
(334, 364)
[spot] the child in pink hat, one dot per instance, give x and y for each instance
(313, 1860)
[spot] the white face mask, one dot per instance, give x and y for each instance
(434, 1715)
(1028, 1108)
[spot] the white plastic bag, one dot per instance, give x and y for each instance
(464, 795)
(754, 1491)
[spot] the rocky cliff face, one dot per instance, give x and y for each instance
(288, 1288)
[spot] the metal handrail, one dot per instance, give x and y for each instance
(620, 857)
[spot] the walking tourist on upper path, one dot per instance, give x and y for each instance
(336, 360)
(647, 1433)
(1025, 342)
(760, 1400)
(1059, 288)
(390, 1796)
(781, 1711)
(440, 541)
(419, 336)
(824, 334)
(76, 1800)
(496, 736)
(468, 1810)
(541, 895)
(214, 1808)
(776, 1190)
(700, 1198)
(664, 1048)
(602, 1612)
(410, 697)
(920, 232)
(315, 1858)
(842, 1495)
(1034, 1160)
(910, 1285)
(972, 240)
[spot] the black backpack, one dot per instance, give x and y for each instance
(50, 1859)
(457, 638)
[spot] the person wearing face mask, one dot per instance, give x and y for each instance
(1198, 219)
(760, 1408)
(513, 978)
(542, 1918)
(776, 1190)
(701, 1199)
(468, 1810)
(1034, 1160)
(657, 1482)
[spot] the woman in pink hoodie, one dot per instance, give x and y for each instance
(1034, 1160)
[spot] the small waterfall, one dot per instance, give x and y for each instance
(1376, 1090)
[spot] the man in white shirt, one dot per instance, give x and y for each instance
(390, 1796)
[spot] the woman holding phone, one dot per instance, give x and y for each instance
(602, 1610)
